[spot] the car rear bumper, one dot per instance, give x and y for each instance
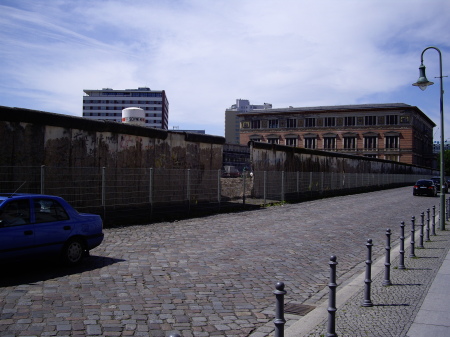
(94, 240)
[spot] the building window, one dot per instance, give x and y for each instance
(273, 140)
(391, 120)
(273, 123)
(371, 156)
(329, 143)
(256, 124)
(350, 121)
(291, 142)
(256, 138)
(291, 123)
(370, 142)
(310, 122)
(330, 121)
(349, 143)
(391, 142)
(310, 143)
(392, 157)
(370, 120)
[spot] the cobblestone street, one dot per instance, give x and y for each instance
(210, 276)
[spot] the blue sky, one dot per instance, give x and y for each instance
(206, 53)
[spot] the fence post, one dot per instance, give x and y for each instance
(387, 263)
(433, 225)
(446, 209)
(422, 224)
(331, 331)
(243, 190)
(282, 186)
(188, 188)
(265, 194)
(298, 185)
(413, 231)
(279, 309)
(42, 178)
(401, 264)
(322, 181)
(219, 192)
(104, 191)
(428, 225)
(150, 190)
(368, 280)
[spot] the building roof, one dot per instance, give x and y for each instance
(340, 108)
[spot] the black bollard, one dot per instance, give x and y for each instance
(387, 263)
(428, 226)
(174, 335)
(401, 263)
(433, 224)
(422, 224)
(331, 331)
(367, 302)
(279, 320)
(413, 231)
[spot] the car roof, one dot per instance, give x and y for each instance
(6, 196)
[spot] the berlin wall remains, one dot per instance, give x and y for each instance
(35, 138)
(271, 157)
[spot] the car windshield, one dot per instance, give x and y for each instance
(424, 182)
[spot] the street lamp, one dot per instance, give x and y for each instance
(422, 83)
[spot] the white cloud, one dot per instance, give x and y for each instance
(206, 54)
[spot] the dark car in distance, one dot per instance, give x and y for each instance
(437, 182)
(35, 225)
(425, 186)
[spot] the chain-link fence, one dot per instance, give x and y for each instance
(144, 194)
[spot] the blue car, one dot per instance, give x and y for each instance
(34, 225)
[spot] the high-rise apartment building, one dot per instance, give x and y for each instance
(107, 104)
(232, 121)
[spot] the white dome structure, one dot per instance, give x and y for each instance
(134, 116)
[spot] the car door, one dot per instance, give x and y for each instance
(17, 234)
(53, 224)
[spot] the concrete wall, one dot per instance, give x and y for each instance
(35, 138)
(270, 157)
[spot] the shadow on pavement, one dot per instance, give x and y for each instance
(26, 272)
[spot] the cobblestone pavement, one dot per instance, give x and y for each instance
(211, 276)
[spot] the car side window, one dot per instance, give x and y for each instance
(48, 210)
(15, 213)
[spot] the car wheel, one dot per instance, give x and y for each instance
(73, 251)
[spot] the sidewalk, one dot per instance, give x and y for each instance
(416, 304)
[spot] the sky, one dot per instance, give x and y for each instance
(207, 53)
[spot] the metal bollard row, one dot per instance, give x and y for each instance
(401, 264)
(422, 224)
(368, 279)
(331, 327)
(387, 263)
(279, 320)
(413, 234)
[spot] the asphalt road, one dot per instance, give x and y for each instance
(210, 276)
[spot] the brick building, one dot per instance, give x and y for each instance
(397, 131)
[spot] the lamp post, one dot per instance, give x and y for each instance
(422, 83)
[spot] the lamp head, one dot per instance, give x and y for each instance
(422, 82)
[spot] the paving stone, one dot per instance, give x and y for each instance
(213, 276)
